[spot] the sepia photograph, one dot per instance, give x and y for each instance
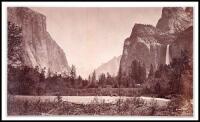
(118, 61)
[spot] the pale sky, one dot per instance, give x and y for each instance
(93, 36)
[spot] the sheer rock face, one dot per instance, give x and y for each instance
(112, 67)
(183, 41)
(39, 49)
(148, 44)
(143, 45)
(175, 19)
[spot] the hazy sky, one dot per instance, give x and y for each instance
(92, 36)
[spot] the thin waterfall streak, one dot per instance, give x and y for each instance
(167, 61)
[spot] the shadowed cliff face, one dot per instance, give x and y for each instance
(39, 49)
(148, 44)
(183, 41)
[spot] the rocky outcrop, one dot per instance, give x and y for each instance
(184, 41)
(148, 44)
(143, 45)
(175, 19)
(39, 49)
(179, 22)
(112, 67)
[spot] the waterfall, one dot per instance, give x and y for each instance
(167, 60)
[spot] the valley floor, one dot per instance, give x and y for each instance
(124, 107)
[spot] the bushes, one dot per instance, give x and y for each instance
(96, 107)
(180, 106)
(25, 81)
(133, 106)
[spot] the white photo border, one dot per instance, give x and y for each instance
(98, 4)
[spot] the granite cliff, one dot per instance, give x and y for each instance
(39, 49)
(148, 44)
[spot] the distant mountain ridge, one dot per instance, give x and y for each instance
(112, 67)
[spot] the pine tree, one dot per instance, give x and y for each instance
(89, 78)
(94, 76)
(73, 72)
(109, 79)
(78, 82)
(42, 74)
(93, 80)
(14, 44)
(119, 77)
(73, 75)
(102, 80)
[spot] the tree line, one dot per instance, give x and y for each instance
(28, 80)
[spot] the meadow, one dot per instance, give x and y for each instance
(122, 107)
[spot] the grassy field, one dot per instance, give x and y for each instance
(127, 107)
(98, 92)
